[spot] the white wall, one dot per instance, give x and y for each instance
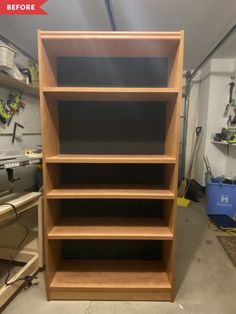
(203, 99)
(29, 117)
(192, 119)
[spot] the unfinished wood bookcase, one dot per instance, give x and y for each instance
(110, 110)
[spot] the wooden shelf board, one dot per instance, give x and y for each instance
(110, 274)
(14, 84)
(137, 47)
(146, 159)
(130, 44)
(111, 228)
(111, 93)
(110, 192)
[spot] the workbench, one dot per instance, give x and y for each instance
(32, 257)
(18, 161)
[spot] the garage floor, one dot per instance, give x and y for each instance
(205, 279)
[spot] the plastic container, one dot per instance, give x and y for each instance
(7, 56)
(221, 199)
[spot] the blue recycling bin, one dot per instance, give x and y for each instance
(221, 199)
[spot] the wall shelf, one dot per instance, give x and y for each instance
(223, 143)
(14, 84)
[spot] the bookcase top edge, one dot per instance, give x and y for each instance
(91, 34)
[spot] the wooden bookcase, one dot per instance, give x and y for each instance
(110, 111)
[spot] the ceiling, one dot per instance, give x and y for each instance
(205, 22)
(228, 49)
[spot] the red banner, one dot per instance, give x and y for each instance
(22, 7)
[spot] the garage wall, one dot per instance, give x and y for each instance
(203, 99)
(212, 99)
(231, 160)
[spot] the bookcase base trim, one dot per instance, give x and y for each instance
(94, 295)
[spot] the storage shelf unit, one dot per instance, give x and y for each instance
(110, 110)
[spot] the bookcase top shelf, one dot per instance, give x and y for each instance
(47, 35)
(111, 43)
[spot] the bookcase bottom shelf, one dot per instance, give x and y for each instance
(110, 280)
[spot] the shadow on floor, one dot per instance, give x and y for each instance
(191, 225)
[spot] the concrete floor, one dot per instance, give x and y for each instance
(205, 279)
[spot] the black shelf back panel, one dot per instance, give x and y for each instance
(111, 208)
(106, 174)
(112, 127)
(111, 249)
(112, 71)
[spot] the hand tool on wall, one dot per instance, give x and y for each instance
(231, 102)
(14, 131)
(14, 103)
(184, 185)
(5, 114)
(229, 121)
(233, 121)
